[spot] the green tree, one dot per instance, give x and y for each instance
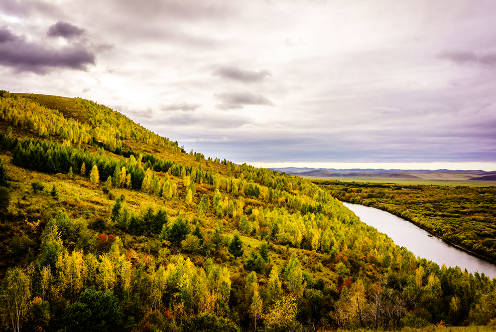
(83, 169)
(236, 246)
(274, 290)
(264, 251)
(4, 199)
(294, 276)
(175, 231)
(4, 176)
(95, 311)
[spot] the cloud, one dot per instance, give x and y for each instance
(236, 100)
(64, 29)
(7, 36)
(21, 55)
(237, 74)
(463, 56)
(186, 107)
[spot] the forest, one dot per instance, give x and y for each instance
(108, 226)
(461, 215)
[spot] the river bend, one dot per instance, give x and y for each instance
(419, 241)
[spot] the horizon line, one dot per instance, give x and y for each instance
(412, 166)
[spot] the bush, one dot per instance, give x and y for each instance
(95, 311)
(20, 244)
(4, 198)
(105, 190)
(37, 186)
(191, 244)
(411, 320)
(208, 322)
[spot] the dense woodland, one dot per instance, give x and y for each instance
(107, 226)
(462, 215)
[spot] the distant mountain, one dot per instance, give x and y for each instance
(441, 174)
(485, 178)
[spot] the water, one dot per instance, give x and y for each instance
(420, 242)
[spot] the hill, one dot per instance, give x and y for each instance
(106, 225)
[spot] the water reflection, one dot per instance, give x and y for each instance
(420, 242)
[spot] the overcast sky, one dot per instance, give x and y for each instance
(272, 81)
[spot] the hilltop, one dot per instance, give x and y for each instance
(107, 225)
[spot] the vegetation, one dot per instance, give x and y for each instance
(113, 227)
(462, 215)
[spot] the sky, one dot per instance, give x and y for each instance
(273, 81)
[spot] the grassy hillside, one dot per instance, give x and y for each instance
(106, 225)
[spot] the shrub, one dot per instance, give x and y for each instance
(105, 190)
(191, 244)
(208, 322)
(37, 186)
(4, 198)
(19, 244)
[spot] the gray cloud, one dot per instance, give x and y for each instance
(238, 74)
(7, 36)
(236, 100)
(186, 107)
(462, 57)
(64, 29)
(21, 55)
(27, 7)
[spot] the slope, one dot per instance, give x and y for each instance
(104, 211)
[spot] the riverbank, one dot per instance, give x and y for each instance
(431, 231)
(421, 242)
(463, 217)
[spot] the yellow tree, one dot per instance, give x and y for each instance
(15, 297)
(94, 175)
(256, 307)
(282, 314)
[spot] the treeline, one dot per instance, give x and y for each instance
(460, 214)
(101, 284)
(103, 125)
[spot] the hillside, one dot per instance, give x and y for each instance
(108, 226)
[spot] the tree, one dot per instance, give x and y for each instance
(294, 276)
(108, 184)
(116, 177)
(282, 315)
(95, 311)
(264, 251)
(189, 196)
(236, 246)
(256, 307)
(94, 175)
(15, 297)
(274, 287)
(176, 231)
(4, 198)
(4, 177)
(83, 169)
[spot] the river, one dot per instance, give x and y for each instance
(419, 241)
